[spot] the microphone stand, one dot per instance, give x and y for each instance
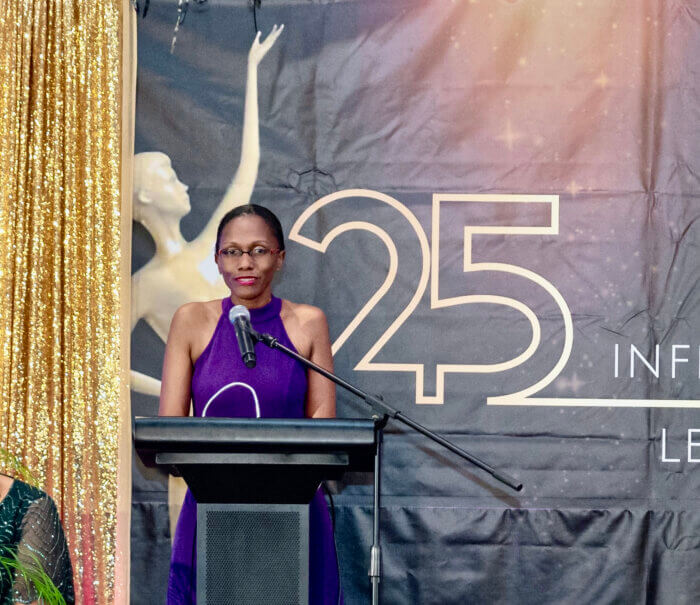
(382, 413)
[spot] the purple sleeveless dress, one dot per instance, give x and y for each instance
(276, 388)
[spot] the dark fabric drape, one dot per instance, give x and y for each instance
(419, 103)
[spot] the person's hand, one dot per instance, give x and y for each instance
(259, 49)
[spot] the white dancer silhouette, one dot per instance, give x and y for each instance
(182, 271)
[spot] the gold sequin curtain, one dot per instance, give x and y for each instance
(61, 268)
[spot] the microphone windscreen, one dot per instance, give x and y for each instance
(238, 311)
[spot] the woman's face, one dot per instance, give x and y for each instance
(249, 277)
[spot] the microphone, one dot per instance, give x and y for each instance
(239, 316)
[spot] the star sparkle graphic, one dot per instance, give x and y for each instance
(509, 136)
(573, 188)
(602, 80)
(572, 384)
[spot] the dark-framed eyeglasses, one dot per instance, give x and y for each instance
(258, 252)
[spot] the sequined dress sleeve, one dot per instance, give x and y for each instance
(31, 533)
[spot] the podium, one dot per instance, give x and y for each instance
(252, 480)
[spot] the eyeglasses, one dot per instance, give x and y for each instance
(257, 253)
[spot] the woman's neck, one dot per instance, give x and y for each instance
(5, 485)
(256, 303)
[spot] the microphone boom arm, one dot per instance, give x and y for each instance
(383, 409)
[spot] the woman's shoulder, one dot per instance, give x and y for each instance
(306, 315)
(29, 492)
(306, 327)
(197, 313)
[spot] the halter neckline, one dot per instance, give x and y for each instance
(261, 314)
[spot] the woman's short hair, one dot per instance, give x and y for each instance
(268, 216)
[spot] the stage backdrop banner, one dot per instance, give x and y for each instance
(495, 203)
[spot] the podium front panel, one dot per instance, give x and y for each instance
(252, 553)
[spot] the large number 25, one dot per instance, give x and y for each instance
(432, 260)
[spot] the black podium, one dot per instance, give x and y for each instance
(253, 480)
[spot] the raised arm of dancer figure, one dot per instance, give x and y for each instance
(243, 183)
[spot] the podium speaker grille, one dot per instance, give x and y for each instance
(256, 554)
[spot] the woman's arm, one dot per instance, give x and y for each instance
(320, 396)
(43, 555)
(175, 390)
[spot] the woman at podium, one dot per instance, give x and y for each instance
(202, 364)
